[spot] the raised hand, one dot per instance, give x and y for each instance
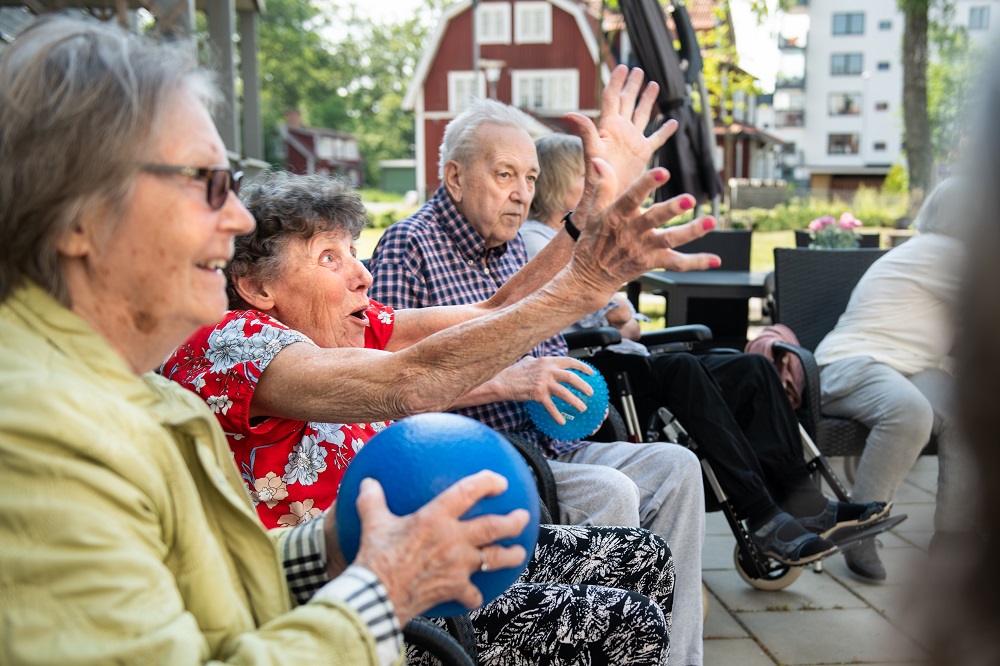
(620, 242)
(620, 140)
(427, 557)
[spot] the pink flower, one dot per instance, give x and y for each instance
(848, 221)
(821, 222)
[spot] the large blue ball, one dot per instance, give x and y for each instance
(417, 458)
(578, 424)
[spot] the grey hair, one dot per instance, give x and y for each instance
(288, 206)
(946, 209)
(560, 160)
(80, 103)
(459, 141)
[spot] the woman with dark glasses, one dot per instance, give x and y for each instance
(126, 535)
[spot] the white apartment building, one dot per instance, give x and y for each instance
(839, 87)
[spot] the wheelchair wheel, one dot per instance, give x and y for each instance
(775, 579)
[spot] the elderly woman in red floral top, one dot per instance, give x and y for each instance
(603, 594)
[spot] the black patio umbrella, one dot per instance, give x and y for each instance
(688, 154)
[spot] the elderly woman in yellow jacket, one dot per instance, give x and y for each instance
(125, 532)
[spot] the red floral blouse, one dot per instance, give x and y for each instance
(292, 469)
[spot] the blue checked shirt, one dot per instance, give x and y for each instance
(435, 257)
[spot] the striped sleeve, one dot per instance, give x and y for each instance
(303, 554)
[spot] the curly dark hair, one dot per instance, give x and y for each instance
(287, 206)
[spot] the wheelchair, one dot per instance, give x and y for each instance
(754, 567)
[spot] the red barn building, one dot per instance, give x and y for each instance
(320, 150)
(543, 56)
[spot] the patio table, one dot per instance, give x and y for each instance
(679, 288)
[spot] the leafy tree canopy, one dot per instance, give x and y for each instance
(342, 71)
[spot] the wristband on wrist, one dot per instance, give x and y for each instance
(571, 229)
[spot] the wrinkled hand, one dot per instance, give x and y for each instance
(427, 557)
(622, 242)
(539, 379)
(620, 138)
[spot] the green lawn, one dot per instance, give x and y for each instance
(762, 258)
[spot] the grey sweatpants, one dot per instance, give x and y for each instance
(902, 413)
(657, 486)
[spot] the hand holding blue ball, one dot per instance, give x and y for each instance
(578, 424)
(415, 460)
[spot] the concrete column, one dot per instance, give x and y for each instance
(253, 133)
(221, 29)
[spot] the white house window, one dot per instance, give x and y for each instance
(846, 63)
(849, 24)
(844, 104)
(493, 23)
(532, 23)
(462, 87)
(842, 144)
(546, 89)
(324, 148)
(979, 18)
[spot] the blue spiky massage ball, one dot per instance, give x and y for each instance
(579, 425)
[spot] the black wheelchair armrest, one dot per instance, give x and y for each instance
(692, 333)
(593, 337)
(544, 480)
(809, 414)
(424, 634)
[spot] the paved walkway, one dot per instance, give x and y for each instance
(824, 618)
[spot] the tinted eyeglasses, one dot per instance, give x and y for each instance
(218, 180)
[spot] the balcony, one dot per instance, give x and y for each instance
(791, 43)
(790, 118)
(784, 81)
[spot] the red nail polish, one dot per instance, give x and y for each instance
(686, 204)
(708, 224)
(660, 176)
(714, 263)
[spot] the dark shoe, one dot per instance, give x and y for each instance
(864, 561)
(839, 515)
(785, 540)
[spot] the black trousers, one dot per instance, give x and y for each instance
(735, 409)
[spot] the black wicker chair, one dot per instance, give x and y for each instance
(811, 291)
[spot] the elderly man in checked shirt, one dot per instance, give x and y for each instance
(462, 245)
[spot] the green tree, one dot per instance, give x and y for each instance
(916, 118)
(723, 76)
(342, 71)
(951, 78)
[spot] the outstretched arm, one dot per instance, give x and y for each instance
(361, 385)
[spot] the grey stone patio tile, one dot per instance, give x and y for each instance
(926, 479)
(811, 590)
(720, 622)
(733, 651)
(717, 553)
(904, 566)
(921, 517)
(831, 637)
(924, 464)
(909, 493)
(716, 523)
(920, 540)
